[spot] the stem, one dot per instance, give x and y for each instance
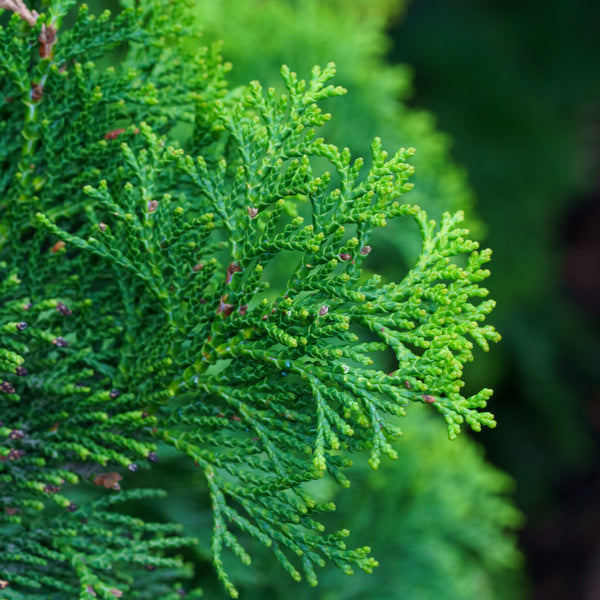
(47, 39)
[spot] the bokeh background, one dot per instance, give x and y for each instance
(517, 86)
(501, 98)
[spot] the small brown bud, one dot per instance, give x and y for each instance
(51, 488)
(6, 388)
(22, 326)
(428, 399)
(60, 342)
(90, 590)
(11, 511)
(27, 306)
(58, 246)
(21, 371)
(63, 310)
(365, 250)
(115, 592)
(252, 212)
(113, 394)
(198, 267)
(132, 467)
(150, 567)
(46, 39)
(323, 310)
(407, 385)
(225, 308)
(108, 480)
(114, 134)
(231, 269)
(345, 257)
(152, 205)
(16, 434)
(152, 457)
(37, 91)
(3, 584)
(243, 309)
(72, 507)
(102, 227)
(15, 454)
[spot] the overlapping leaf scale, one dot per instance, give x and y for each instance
(263, 387)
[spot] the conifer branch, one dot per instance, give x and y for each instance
(212, 301)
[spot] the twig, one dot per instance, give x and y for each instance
(19, 7)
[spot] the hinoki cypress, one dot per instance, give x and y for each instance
(142, 304)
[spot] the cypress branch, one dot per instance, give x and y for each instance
(142, 305)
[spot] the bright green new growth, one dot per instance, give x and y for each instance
(137, 292)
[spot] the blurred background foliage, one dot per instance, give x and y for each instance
(516, 87)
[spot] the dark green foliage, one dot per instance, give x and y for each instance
(148, 277)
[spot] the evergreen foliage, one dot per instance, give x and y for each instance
(141, 306)
(258, 42)
(436, 520)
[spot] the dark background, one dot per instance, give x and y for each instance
(517, 85)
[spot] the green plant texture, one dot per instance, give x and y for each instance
(257, 42)
(143, 312)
